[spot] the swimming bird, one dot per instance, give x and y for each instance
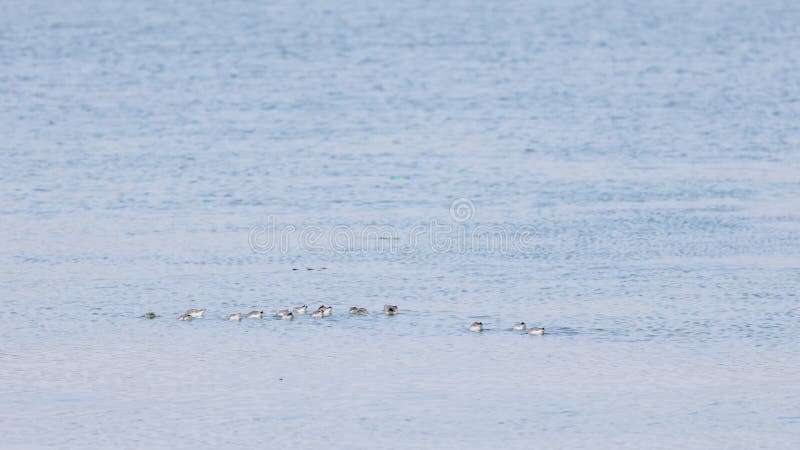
(476, 326)
(538, 331)
(519, 326)
(289, 316)
(317, 314)
(185, 317)
(359, 311)
(282, 312)
(390, 310)
(255, 314)
(196, 313)
(301, 309)
(237, 316)
(150, 315)
(326, 310)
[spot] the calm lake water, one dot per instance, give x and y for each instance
(625, 174)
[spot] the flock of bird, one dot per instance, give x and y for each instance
(325, 311)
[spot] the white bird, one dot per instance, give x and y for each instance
(255, 314)
(237, 316)
(390, 310)
(476, 326)
(185, 317)
(301, 309)
(289, 316)
(326, 310)
(519, 326)
(359, 311)
(282, 312)
(196, 313)
(317, 314)
(538, 331)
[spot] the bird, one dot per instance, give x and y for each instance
(150, 315)
(185, 317)
(289, 316)
(359, 311)
(326, 310)
(476, 326)
(317, 314)
(255, 314)
(519, 326)
(196, 313)
(301, 309)
(538, 331)
(282, 312)
(390, 310)
(237, 316)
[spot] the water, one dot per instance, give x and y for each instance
(647, 153)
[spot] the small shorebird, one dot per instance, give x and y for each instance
(390, 310)
(185, 317)
(301, 309)
(356, 310)
(255, 314)
(476, 326)
(538, 331)
(237, 316)
(196, 313)
(519, 326)
(150, 315)
(317, 314)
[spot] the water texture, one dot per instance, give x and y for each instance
(646, 151)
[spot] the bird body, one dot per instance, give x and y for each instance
(196, 313)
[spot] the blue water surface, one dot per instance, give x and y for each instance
(631, 171)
